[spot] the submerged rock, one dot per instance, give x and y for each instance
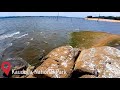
(17, 64)
(103, 62)
(59, 63)
(88, 39)
(30, 54)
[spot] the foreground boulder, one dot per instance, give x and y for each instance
(58, 63)
(103, 62)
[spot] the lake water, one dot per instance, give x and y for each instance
(33, 37)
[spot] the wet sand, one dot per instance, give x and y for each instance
(98, 19)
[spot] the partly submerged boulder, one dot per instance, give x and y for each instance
(103, 62)
(17, 64)
(88, 39)
(30, 54)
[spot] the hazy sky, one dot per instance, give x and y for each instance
(68, 14)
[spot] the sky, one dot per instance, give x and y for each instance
(68, 14)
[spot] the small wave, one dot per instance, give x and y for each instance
(31, 39)
(22, 36)
(8, 35)
(10, 44)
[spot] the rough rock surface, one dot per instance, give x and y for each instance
(59, 62)
(103, 62)
(31, 76)
(88, 76)
(28, 70)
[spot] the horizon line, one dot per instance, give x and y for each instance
(40, 16)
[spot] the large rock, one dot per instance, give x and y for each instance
(89, 39)
(59, 63)
(103, 62)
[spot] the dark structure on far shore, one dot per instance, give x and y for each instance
(106, 17)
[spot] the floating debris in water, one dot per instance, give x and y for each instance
(31, 39)
(10, 44)
(45, 42)
(27, 43)
(43, 50)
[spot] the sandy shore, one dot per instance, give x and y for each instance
(106, 20)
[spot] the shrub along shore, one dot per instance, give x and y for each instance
(100, 19)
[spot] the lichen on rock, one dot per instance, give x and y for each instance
(60, 59)
(103, 62)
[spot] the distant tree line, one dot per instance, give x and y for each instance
(106, 17)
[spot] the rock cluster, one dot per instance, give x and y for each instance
(69, 62)
(92, 55)
(98, 62)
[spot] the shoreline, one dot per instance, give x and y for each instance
(99, 19)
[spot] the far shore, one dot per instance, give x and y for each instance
(99, 19)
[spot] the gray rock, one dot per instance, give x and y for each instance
(103, 62)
